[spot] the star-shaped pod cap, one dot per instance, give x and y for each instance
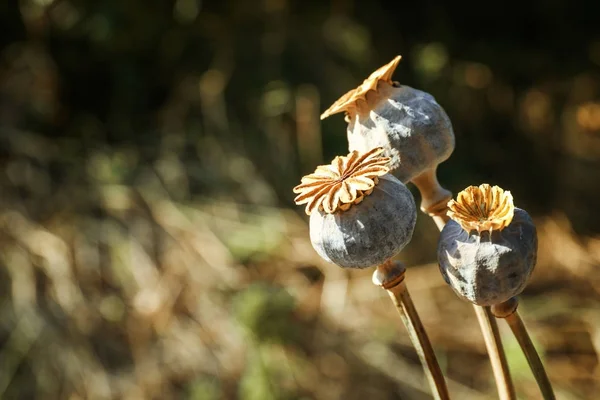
(342, 183)
(348, 101)
(482, 208)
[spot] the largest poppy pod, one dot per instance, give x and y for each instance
(360, 215)
(408, 123)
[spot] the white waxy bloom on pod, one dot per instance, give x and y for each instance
(411, 127)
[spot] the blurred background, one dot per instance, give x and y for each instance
(149, 244)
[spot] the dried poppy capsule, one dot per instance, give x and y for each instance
(488, 249)
(409, 124)
(360, 215)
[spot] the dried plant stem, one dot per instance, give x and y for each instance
(390, 276)
(434, 200)
(508, 311)
(493, 344)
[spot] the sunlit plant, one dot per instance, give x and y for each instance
(361, 215)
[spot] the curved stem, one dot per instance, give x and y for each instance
(390, 276)
(434, 202)
(520, 331)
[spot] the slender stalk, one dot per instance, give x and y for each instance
(390, 276)
(508, 311)
(434, 200)
(493, 344)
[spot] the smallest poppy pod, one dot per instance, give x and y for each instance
(488, 249)
(360, 214)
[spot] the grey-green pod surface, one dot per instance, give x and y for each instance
(409, 124)
(369, 233)
(488, 269)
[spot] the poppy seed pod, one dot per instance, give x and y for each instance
(360, 215)
(409, 124)
(488, 249)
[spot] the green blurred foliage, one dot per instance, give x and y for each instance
(266, 313)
